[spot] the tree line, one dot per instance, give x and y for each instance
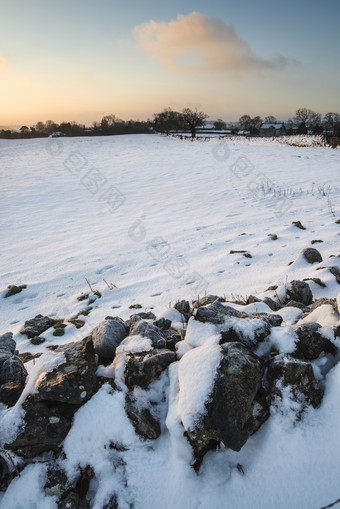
(188, 120)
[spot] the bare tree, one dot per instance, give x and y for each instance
(220, 124)
(166, 121)
(308, 117)
(331, 119)
(193, 119)
(245, 122)
(270, 120)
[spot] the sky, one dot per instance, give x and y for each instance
(83, 59)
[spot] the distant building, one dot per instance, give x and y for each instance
(272, 129)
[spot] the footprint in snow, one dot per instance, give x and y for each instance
(19, 300)
(107, 267)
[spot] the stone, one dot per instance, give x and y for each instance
(207, 299)
(7, 342)
(73, 382)
(320, 302)
(298, 224)
(10, 392)
(312, 255)
(230, 413)
(273, 304)
(300, 292)
(144, 368)
(251, 299)
(147, 330)
(144, 423)
(294, 304)
(37, 326)
(13, 370)
(297, 375)
(249, 332)
(57, 484)
(217, 313)
(59, 329)
(311, 344)
(184, 308)
(271, 319)
(13, 290)
(172, 337)
(317, 281)
(38, 340)
(108, 335)
(73, 501)
(136, 317)
(162, 323)
(28, 356)
(5, 476)
(336, 273)
(45, 427)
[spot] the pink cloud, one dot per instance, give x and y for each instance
(198, 42)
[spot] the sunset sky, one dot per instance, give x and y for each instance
(81, 59)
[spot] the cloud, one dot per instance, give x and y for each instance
(201, 43)
(3, 62)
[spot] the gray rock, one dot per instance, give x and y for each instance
(37, 326)
(271, 320)
(73, 382)
(10, 392)
(45, 427)
(13, 290)
(136, 317)
(144, 368)
(172, 337)
(294, 304)
(7, 342)
(57, 484)
(336, 273)
(184, 308)
(5, 476)
(144, 423)
(217, 313)
(108, 335)
(298, 376)
(230, 416)
(274, 306)
(147, 330)
(162, 323)
(251, 299)
(13, 370)
(312, 255)
(207, 299)
(38, 340)
(250, 331)
(300, 292)
(322, 301)
(311, 344)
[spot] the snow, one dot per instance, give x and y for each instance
(283, 339)
(179, 208)
(198, 333)
(290, 315)
(324, 315)
(196, 373)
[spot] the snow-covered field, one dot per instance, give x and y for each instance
(150, 220)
